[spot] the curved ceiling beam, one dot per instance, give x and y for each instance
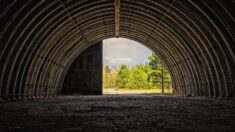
(40, 39)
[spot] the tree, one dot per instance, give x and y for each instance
(106, 76)
(154, 61)
(148, 70)
(155, 73)
(122, 77)
(109, 77)
(112, 78)
(160, 76)
(138, 77)
(152, 75)
(166, 79)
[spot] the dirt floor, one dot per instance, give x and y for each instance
(136, 113)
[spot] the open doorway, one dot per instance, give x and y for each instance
(117, 66)
(131, 68)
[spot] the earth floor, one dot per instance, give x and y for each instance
(137, 113)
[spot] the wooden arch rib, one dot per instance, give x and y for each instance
(40, 39)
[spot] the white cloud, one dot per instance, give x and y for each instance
(119, 60)
(118, 51)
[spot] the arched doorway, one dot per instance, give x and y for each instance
(143, 73)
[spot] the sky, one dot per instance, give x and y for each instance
(117, 51)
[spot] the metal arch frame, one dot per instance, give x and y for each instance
(48, 53)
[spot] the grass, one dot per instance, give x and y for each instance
(135, 91)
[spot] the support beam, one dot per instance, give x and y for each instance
(160, 20)
(117, 18)
(165, 13)
(194, 38)
(74, 20)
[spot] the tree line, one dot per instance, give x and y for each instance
(141, 76)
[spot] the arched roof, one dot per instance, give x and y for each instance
(40, 39)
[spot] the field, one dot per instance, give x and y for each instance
(135, 91)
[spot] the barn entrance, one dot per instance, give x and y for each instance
(117, 66)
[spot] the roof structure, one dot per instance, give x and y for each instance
(40, 39)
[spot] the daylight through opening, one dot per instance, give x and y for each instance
(117, 66)
(132, 68)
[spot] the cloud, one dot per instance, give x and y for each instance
(118, 51)
(118, 60)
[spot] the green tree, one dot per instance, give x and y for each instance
(167, 79)
(138, 77)
(154, 61)
(148, 70)
(122, 76)
(106, 76)
(160, 76)
(112, 79)
(155, 72)
(152, 75)
(109, 77)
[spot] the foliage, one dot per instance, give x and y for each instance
(106, 72)
(138, 78)
(109, 77)
(155, 73)
(152, 75)
(159, 74)
(154, 61)
(122, 77)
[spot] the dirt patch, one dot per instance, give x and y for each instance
(119, 113)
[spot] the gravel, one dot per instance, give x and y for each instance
(137, 113)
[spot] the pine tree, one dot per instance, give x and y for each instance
(122, 76)
(138, 77)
